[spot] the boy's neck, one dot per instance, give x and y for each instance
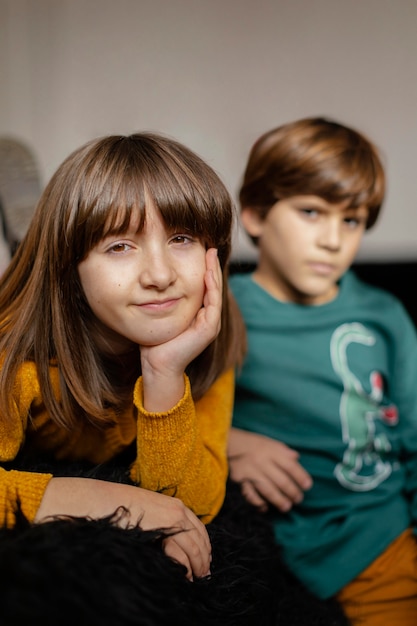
(288, 293)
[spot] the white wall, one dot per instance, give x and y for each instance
(215, 74)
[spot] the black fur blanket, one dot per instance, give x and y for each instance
(76, 571)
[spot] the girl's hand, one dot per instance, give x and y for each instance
(163, 365)
(268, 470)
(150, 510)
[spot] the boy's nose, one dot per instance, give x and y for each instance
(330, 235)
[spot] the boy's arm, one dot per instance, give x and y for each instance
(268, 470)
(182, 452)
(404, 377)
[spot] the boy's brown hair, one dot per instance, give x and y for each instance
(314, 156)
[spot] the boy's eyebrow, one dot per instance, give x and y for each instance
(310, 199)
(357, 209)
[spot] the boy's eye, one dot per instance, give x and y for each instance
(354, 222)
(311, 213)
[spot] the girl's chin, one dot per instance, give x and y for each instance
(158, 340)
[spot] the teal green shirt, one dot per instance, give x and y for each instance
(338, 383)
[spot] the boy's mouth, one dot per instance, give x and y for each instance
(324, 269)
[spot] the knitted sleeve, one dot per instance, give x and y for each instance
(182, 452)
(24, 489)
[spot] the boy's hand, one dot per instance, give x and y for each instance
(268, 470)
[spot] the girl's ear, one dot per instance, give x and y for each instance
(251, 221)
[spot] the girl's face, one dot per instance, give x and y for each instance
(144, 288)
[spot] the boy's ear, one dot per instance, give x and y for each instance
(251, 221)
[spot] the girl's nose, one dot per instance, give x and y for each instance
(158, 271)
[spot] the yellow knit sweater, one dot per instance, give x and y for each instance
(181, 452)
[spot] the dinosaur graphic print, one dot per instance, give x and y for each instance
(364, 464)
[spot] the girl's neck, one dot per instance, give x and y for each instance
(109, 342)
(122, 369)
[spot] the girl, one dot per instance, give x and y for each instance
(116, 326)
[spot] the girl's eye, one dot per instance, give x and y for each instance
(119, 247)
(181, 239)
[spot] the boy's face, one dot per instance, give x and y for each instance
(305, 246)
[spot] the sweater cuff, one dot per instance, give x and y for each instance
(169, 424)
(24, 490)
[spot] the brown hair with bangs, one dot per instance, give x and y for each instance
(43, 311)
(314, 156)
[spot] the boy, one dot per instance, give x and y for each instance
(325, 422)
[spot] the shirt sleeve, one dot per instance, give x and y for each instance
(182, 452)
(404, 383)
